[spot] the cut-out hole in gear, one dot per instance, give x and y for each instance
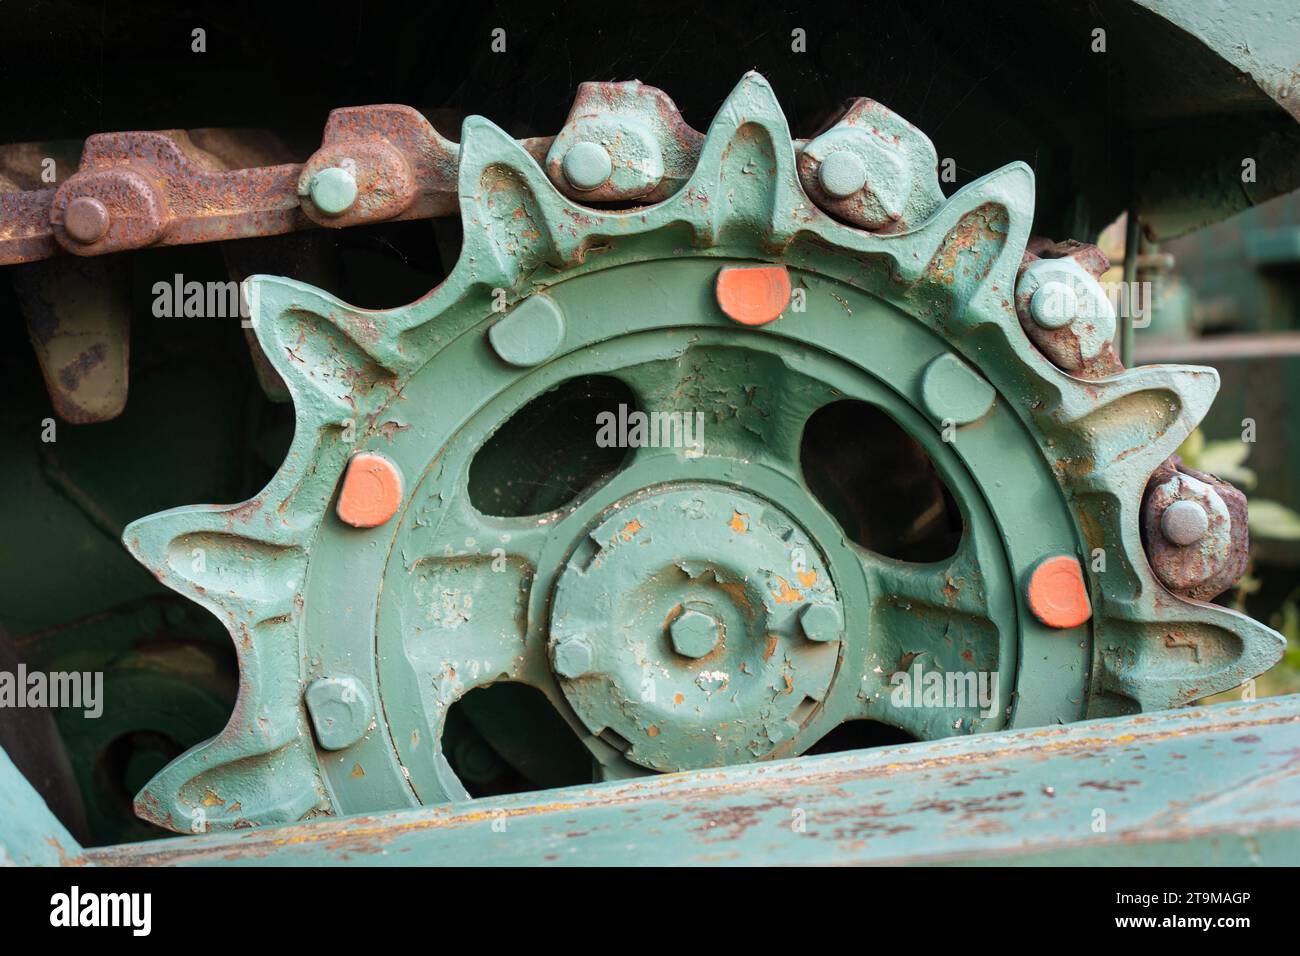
(125, 766)
(546, 454)
(507, 738)
(860, 735)
(879, 484)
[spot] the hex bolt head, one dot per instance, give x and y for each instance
(842, 173)
(572, 657)
(1184, 523)
(340, 711)
(86, 219)
(822, 622)
(333, 190)
(694, 634)
(587, 165)
(1054, 304)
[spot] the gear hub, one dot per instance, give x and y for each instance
(690, 598)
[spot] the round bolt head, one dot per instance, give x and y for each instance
(1054, 305)
(529, 333)
(842, 173)
(1184, 523)
(821, 622)
(333, 190)
(1058, 595)
(753, 295)
(587, 165)
(372, 491)
(86, 219)
(572, 657)
(694, 634)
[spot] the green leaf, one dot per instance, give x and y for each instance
(1225, 459)
(1269, 519)
(1190, 450)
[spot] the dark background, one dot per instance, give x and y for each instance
(988, 82)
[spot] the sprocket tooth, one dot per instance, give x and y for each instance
(1121, 428)
(1191, 652)
(748, 135)
(509, 208)
(978, 237)
(193, 793)
(326, 351)
(252, 586)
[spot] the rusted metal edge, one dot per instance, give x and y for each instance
(1129, 790)
(381, 163)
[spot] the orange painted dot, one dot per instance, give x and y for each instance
(753, 295)
(1057, 595)
(372, 490)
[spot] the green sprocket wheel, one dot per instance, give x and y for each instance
(873, 475)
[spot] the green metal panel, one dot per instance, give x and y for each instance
(1117, 792)
(30, 835)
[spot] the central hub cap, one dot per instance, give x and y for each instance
(695, 626)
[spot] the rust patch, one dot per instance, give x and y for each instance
(785, 594)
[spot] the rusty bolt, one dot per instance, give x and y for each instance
(821, 622)
(694, 633)
(1054, 305)
(1184, 523)
(572, 657)
(587, 165)
(842, 173)
(333, 190)
(86, 219)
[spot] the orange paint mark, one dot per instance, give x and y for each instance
(806, 578)
(739, 523)
(677, 700)
(210, 799)
(784, 593)
(652, 730)
(1057, 594)
(753, 295)
(372, 491)
(357, 771)
(771, 647)
(789, 684)
(629, 529)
